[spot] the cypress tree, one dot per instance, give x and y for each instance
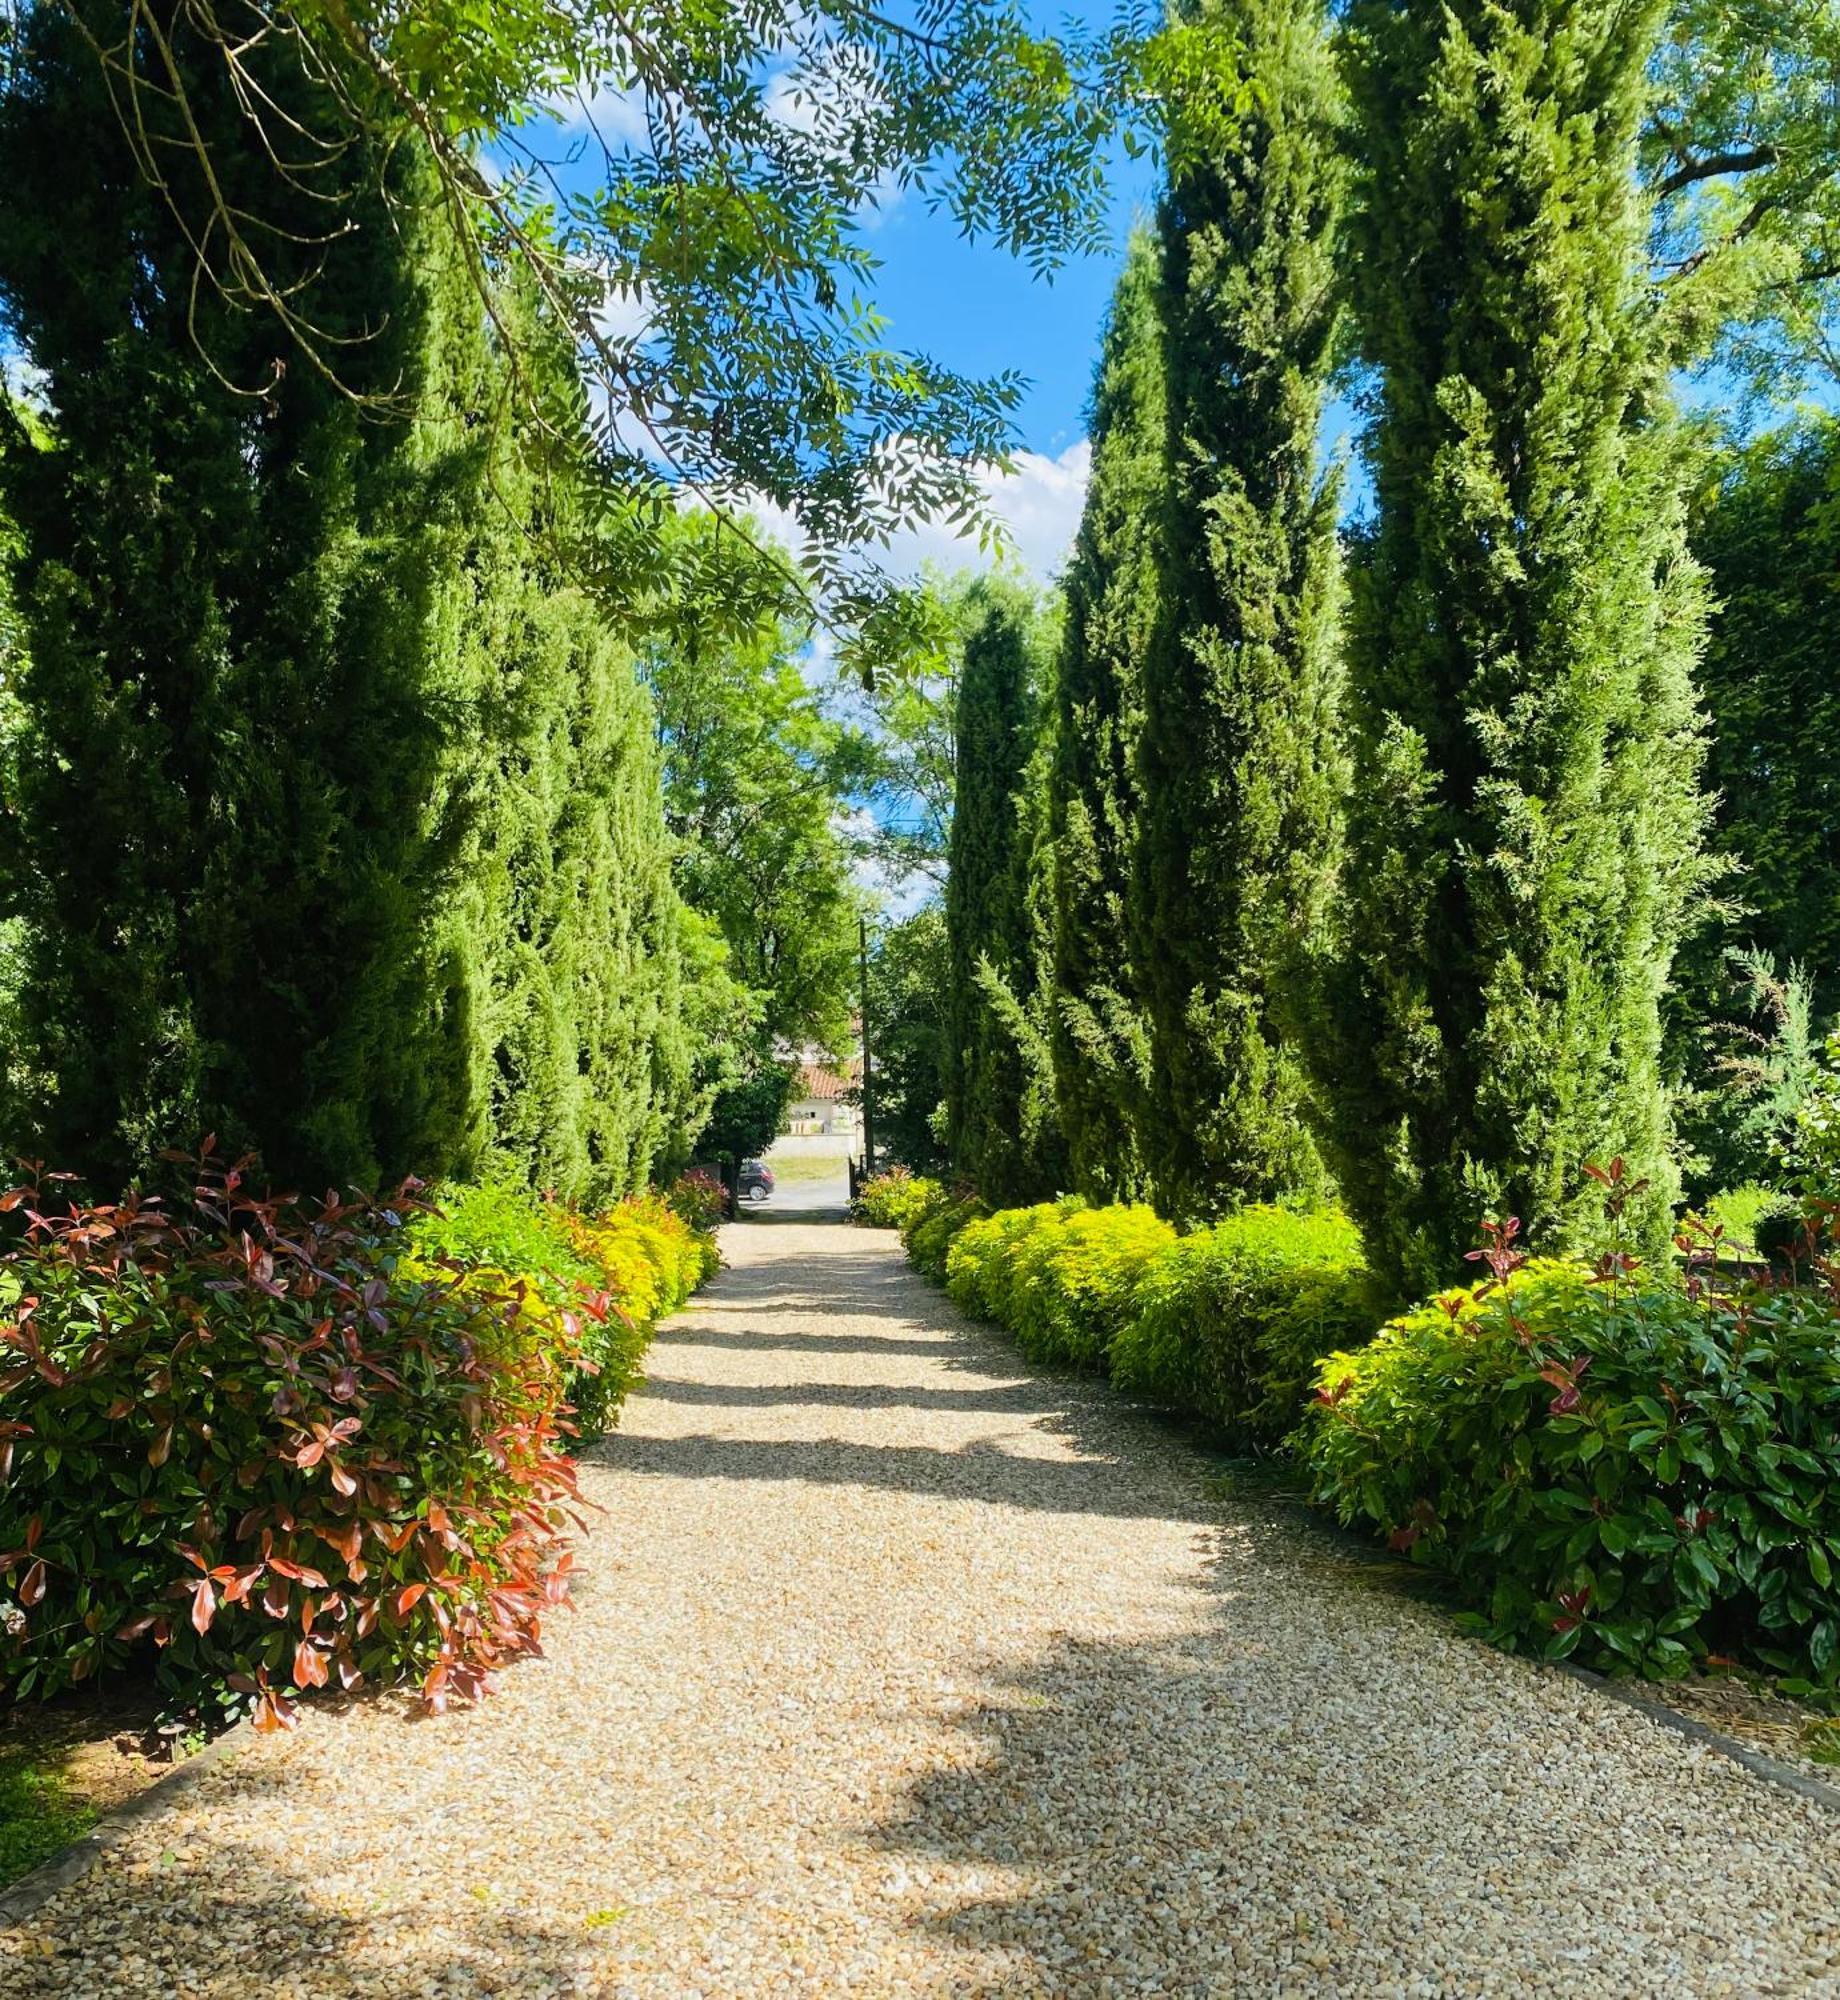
(1239, 765)
(332, 797)
(1769, 536)
(1525, 817)
(992, 1091)
(1112, 589)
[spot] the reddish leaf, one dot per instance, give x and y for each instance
(32, 1588)
(204, 1604)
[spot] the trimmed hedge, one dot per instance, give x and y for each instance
(599, 1283)
(1063, 1282)
(896, 1199)
(1232, 1321)
(930, 1235)
(1637, 1470)
(1227, 1324)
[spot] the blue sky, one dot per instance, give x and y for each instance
(979, 309)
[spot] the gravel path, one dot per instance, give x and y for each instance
(899, 1670)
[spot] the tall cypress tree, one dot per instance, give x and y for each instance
(1239, 764)
(1526, 821)
(991, 1095)
(1113, 586)
(296, 676)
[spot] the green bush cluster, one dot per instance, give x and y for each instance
(1640, 1471)
(271, 1446)
(599, 1282)
(897, 1198)
(1232, 1321)
(929, 1235)
(1227, 1324)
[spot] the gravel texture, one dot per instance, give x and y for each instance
(900, 1670)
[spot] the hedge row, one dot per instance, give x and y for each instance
(1226, 1324)
(276, 1446)
(1639, 1467)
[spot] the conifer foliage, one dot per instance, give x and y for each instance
(1524, 815)
(343, 839)
(1239, 766)
(998, 1117)
(1113, 587)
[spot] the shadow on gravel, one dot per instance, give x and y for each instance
(1090, 1485)
(1282, 1802)
(235, 1922)
(1024, 1398)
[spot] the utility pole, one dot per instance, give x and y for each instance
(868, 1088)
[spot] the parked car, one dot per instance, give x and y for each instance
(756, 1180)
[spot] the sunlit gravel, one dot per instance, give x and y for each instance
(901, 1670)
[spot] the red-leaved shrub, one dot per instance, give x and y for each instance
(238, 1430)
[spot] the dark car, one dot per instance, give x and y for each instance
(756, 1180)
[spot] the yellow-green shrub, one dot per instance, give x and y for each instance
(1073, 1286)
(605, 1280)
(1231, 1321)
(931, 1234)
(980, 1266)
(896, 1199)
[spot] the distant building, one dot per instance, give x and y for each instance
(817, 1109)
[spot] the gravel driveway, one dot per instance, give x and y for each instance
(900, 1670)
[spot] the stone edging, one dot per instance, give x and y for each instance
(1758, 1762)
(24, 1898)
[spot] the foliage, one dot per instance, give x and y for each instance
(1072, 1288)
(981, 1264)
(897, 1199)
(247, 1436)
(1808, 1158)
(1062, 1277)
(909, 1011)
(928, 1236)
(994, 1089)
(688, 191)
(1112, 585)
(1768, 531)
(1758, 1069)
(1232, 1320)
(345, 822)
(595, 1285)
(1241, 764)
(699, 1201)
(1742, 1215)
(1525, 817)
(747, 1115)
(1607, 1464)
(755, 769)
(1741, 154)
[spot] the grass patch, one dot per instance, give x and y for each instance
(40, 1812)
(809, 1166)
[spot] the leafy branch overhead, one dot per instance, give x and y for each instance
(686, 189)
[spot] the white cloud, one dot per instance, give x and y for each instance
(613, 113)
(1038, 500)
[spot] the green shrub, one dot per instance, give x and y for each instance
(896, 1199)
(1641, 1472)
(930, 1236)
(1231, 1321)
(597, 1284)
(980, 1267)
(1073, 1286)
(251, 1440)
